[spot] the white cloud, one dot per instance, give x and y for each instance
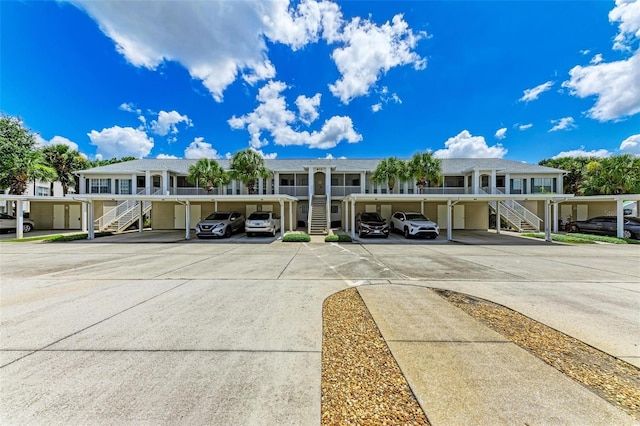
(585, 51)
(56, 140)
(308, 108)
(596, 59)
(501, 133)
(464, 145)
(566, 123)
(534, 93)
(167, 121)
(371, 51)
(615, 84)
(166, 157)
(272, 115)
(266, 156)
(200, 149)
(376, 107)
(631, 145)
(627, 13)
(121, 142)
(525, 126)
(129, 107)
(331, 157)
(600, 153)
(220, 41)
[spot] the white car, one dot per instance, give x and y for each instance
(413, 224)
(8, 223)
(262, 223)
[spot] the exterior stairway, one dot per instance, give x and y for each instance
(517, 216)
(122, 216)
(318, 215)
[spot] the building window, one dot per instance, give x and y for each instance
(100, 186)
(334, 209)
(541, 185)
(140, 181)
(454, 181)
(516, 186)
(123, 186)
(42, 191)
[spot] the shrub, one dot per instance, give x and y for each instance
(337, 238)
(296, 238)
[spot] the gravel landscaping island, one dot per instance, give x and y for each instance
(362, 383)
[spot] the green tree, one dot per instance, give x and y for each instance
(207, 174)
(619, 174)
(390, 170)
(65, 161)
(425, 169)
(248, 166)
(16, 144)
(31, 167)
(114, 160)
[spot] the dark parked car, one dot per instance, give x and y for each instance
(607, 225)
(220, 224)
(369, 224)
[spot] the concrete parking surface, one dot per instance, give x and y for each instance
(150, 328)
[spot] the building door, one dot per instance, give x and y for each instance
(58, 216)
(179, 215)
(319, 183)
(458, 216)
(75, 217)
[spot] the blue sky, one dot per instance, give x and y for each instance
(356, 79)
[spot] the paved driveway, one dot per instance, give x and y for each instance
(123, 330)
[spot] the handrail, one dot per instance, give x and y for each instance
(517, 210)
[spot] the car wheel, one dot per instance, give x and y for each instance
(273, 233)
(386, 236)
(227, 232)
(27, 227)
(359, 234)
(406, 233)
(627, 234)
(575, 228)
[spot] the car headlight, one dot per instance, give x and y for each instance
(220, 225)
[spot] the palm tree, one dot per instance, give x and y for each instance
(390, 170)
(425, 169)
(615, 175)
(30, 167)
(248, 166)
(207, 174)
(65, 161)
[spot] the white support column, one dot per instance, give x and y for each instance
(83, 185)
(345, 215)
(134, 183)
(560, 184)
(19, 219)
(147, 182)
(363, 182)
(493, 182)
(353, 219)
(290, 215)
(449, 222)
(174, 191)
(187, 220)
(233, 187)
(547, 219)
(422, 206)
(476, 182)
(276, 183)
(84, 217)
(140, 213)
(91, 219)
(282, 219)
(311, 184)
(620, 218)
(498, 217)
(327, 184)
(507, 183)
(165, 182)
(260, 185)
(555, 218)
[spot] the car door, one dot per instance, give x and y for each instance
(236, 223)
(610, 226)
(7, 222)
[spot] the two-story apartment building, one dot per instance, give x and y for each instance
(320, 187)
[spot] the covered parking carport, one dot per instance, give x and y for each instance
(287, 204)
(551, 202)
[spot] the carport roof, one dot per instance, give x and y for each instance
(450, 166)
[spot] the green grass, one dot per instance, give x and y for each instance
(584, 238)
(296, 238)
(337, 238)
(57, 238)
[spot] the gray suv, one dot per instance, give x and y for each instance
(220, 224)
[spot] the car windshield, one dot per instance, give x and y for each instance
(218, 216)
(371, 217)
(416, 216)
(259, 216)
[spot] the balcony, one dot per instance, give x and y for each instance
(295, 191)
(195, 191)
(343, 191)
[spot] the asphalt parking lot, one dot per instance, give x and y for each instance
(151, 328)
